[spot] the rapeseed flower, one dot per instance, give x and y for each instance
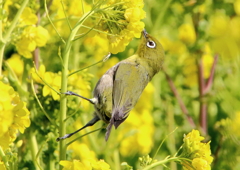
(236, 5)
(16, 64)
(79, 83)
(218, 24)
(199, 153)
(121, 20)
(91, 165)
(186, 33)
(28, 17)
(82, 152)
(14, 115)
(116, 21)
(31, 38)
(207, 59)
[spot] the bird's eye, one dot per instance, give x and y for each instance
(151, 44)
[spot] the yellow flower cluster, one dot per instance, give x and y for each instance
(116, 21)
(32, 36)
(186, 33)
(137, 133)
(123, 23)
(82, 151)
(14, 115)
(224, 29)
(198, 152)
(16, 64)
(78, 165)
(54, 80)
(230, 126)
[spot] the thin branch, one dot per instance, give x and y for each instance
(44, 80)
(179, 99)
(203, 106)
(46, 9)
(40, 105)
(65, 14)
(106, 57)
(201, 81)
(69, 143)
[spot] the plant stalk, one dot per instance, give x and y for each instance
(63, 99)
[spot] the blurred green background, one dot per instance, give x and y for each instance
(198, 87)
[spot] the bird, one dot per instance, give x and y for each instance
(118, 90)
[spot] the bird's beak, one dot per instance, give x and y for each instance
(144, 32)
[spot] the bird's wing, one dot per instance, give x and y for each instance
(103, 93)
(128, 83)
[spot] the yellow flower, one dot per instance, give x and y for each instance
(134, 14)
(91, 165)
(13, 114)
(218, 24)
(83, 152)
(186, 33)
(2, 166)
(230, 126)
(53, 80)
(74, 165)
(207, 59)
(31, 38)
(190, 71)
(16, 64)
(100, 165)
(235, 124)
(200, 164)
(5, 106)
(120, 20)
(237, 6)
(234, 25)
(79, 82)
(125, 23)
(41, 71)
(199, 153)
(28, 17)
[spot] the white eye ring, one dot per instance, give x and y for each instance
(151, 44)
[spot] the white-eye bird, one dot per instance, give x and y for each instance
(119, 89)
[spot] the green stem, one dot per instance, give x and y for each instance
(34, 149)
(63, 99)
(46, 10)
(3, 157)
(40, 105)
(4, 38)
(51, 162)
(116, 159)
(106, 57)
(162, 162)
(171, 144)
(15, 20)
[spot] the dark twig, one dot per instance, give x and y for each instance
(204, 88)
(179, 99)
(203, 106)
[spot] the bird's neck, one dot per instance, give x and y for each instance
(151, 66)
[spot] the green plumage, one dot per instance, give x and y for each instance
(119, 89)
